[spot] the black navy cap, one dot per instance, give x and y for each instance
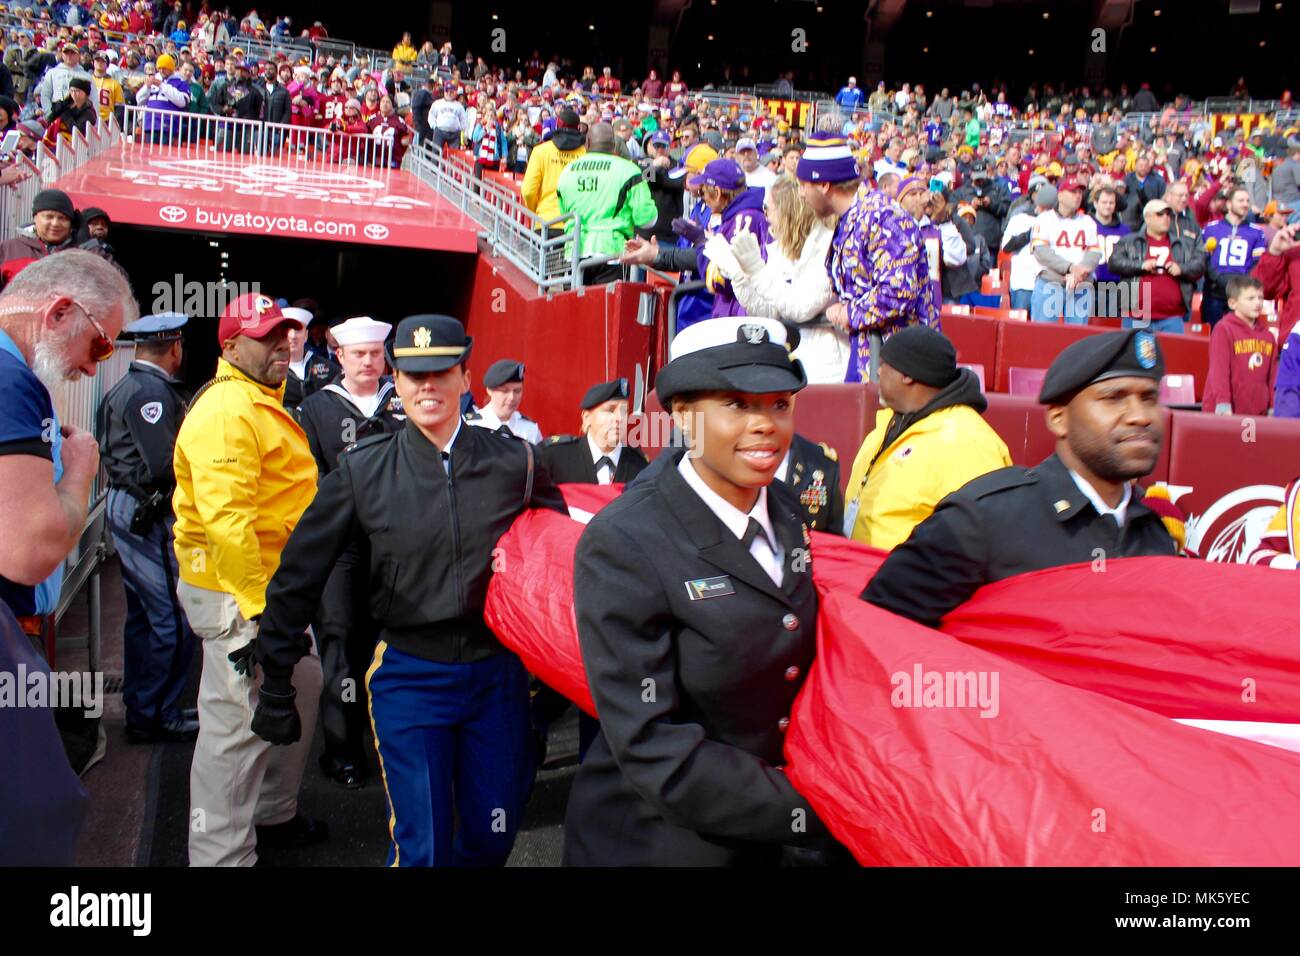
(741, 354)
(1101, 357)
(428, 343)
(604, 392)
(503, 372)
(160, 327)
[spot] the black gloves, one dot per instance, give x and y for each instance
(276, 718)
(244, 659)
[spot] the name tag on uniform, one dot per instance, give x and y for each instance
(703, 588)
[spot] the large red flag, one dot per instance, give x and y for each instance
(1034, 728)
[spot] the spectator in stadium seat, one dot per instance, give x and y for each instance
(404, 53)
(76, 112)
(877, 264)
(51, 230)
(1279, 270)
(1110, 229)
(1066, 247)
(1183, 223)
(1166, 266)
(1286, 177)
(163, 96)
(1232, 246)
(54, 85)
(1273, 217)
(849, 97)
(1016, 241)
(547, 161)
(1243, 368)
(792, 284)
(1140, 187)
(930, 420)
(735, 208)
(448, 119)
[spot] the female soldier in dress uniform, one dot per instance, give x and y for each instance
(448, 703)
(697, 618)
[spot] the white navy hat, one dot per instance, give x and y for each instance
(732, 354)
(361, 330)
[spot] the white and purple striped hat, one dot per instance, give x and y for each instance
(828, 159)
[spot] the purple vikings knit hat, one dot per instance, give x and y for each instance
(827, 159)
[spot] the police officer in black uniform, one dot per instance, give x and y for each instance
(1102, 398)
(600, 455)
(137, 425)
(362, 403)
(696, 614)
(813, 471)
(448, 703)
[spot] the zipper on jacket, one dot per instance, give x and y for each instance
(455, 539)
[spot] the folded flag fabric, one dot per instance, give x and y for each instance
(1072, 716)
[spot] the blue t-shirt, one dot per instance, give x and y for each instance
(27, 427)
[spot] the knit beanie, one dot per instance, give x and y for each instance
(921, 353)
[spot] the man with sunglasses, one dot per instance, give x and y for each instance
(1165, 268)
(58, 319)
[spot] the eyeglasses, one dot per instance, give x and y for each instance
(1164, 212)
(102, 348)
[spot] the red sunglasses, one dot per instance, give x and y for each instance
(101, 348)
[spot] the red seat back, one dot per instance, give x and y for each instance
(977, 369)
(1026, 381)
(1177, 390)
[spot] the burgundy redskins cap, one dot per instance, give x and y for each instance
(254, 315)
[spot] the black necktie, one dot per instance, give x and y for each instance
(604, 461)
(754, 530)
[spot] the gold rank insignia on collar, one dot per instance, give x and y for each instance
(1061, 506)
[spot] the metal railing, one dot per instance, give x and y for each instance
(546, 250)
(202, 134)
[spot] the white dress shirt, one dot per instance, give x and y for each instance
(1119, 513)
(768, 553)
(522, 427)
(604, 474)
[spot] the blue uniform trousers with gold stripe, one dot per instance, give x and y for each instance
(451, 735)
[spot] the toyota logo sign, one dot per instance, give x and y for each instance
(376, 231)
(172, 214)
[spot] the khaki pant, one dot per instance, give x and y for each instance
(237, 779)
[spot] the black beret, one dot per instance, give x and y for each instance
(1101, 357)
(503, 371)
(428, 343)
(923, 354)
(604, 392)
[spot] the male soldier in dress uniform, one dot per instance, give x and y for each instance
(504, 382)
(448, 704)
(137, 425)
(362, 403)
(1102, 398)
(599, 456)
(812, 469)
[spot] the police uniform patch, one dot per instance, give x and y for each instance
(151, 412)
(1144, 344)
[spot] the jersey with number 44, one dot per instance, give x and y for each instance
(1071, 239)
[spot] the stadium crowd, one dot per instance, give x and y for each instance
(841, 244)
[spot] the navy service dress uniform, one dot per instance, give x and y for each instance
(813, 471)
(294, 385)
(345, 633)
(1016, 520)
(695, 650)
(136, 426)
(448, 703)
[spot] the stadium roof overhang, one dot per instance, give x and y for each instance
(233, 193)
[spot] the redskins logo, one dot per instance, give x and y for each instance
(263, 305)
(1255, 361)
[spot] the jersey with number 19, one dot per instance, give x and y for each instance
(1230, 250)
